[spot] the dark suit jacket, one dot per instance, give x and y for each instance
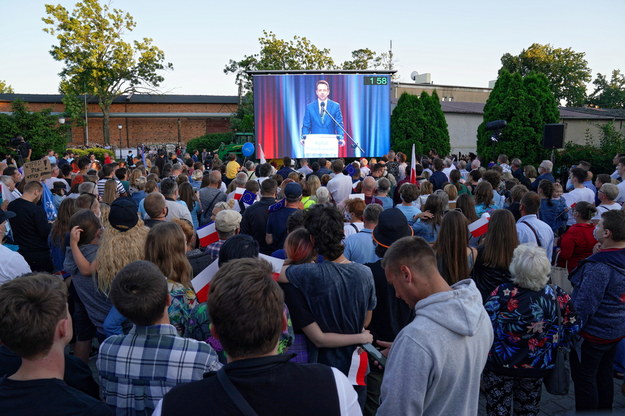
(313, 123)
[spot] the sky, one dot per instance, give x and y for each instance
(458, 42)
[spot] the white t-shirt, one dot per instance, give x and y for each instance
(605, 208)
(12, 265)
(621, 193)
(340, 187)
(575, 196)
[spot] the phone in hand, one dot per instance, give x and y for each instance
(375, 354)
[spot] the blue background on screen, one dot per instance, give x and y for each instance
(280, 102)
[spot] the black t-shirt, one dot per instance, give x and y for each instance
(30, 226)
(48, 397)
(77, 374)
(23, 149)
(391, 314)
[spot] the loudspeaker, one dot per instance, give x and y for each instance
(553, 136)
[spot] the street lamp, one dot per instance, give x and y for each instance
(119, 127)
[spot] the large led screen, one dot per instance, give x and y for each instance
(345, 115)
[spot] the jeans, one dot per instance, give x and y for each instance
(592, 376)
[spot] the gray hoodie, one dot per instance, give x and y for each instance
(436, 361)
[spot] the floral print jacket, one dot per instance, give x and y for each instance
(525, 324)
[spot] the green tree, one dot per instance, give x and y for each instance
(40, 129)
(435, 132)
(97, 60)
(566, 70)
(5, 88)
(363, 59)
(527, 104)
(609, 94)
(407, 121)
(279, 54)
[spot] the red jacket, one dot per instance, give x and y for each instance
(576, 244)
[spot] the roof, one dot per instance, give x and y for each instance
(135, 98)
(434, 86)
(582, 113)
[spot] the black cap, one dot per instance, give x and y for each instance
(392, 225)
(6, 215)
(123, 215)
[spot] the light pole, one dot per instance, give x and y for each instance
(119, 127)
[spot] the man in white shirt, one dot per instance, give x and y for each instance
(620, 168)
(12, 264)
(579, 192)
(529, 228)
(175, 208)
(449, 166)
(340, 186)
(304, 169)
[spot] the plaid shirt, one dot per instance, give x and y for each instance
(213, 249)
(136, 370)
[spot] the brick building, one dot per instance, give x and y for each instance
(148, 119)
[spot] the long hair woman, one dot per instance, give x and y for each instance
(190, 198)
(57, 239)
(110, 192)
(454, 257)
(166, 247)
(429, 221)
(484, 198)
(495, 253)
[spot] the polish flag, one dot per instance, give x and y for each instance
(261, 154)
(358, 368)
(480, 227)
(413, 168)
(208, 234)
(202, 282)
(276, 264)
(236, 194)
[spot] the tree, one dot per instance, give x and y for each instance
(40, 129)
(279, 54)
(419, 120)
(363, 59)
(527, 104)
(5, 88)
(566, 70)
(609, 94)
(435, 132)
(98, 62)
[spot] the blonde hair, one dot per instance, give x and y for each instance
(110, 191)
(104, 214)
(117, 250)
(426, 188)
(166, 246)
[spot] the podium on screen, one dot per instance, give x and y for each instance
(321, 145)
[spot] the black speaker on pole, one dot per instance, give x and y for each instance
(553, 136)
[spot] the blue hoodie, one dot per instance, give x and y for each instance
(599, 294)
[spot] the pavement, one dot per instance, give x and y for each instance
(551, 405)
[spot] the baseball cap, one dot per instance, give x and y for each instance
(123, 215)
(227, 220)
(293, 190)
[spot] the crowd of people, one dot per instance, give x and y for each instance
(379, 256)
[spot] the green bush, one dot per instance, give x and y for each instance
(40, 129)
(210, 142)
(97, 151)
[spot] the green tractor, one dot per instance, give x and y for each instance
(235, 147)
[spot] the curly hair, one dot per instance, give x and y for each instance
(117, 250)
(325, 225)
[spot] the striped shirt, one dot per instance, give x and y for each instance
(102, 182)
(136, 370)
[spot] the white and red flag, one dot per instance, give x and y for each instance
(236, 194)
(413, 168)
(207, 234)
(202, 282)
(276, 264)
(261, 154)
(480, 227)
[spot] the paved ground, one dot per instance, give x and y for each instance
(551, 405)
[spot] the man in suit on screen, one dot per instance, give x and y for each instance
(319, 115)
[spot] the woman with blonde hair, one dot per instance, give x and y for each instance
(313, 183)
(452, 195)
(110, 192)
(425, 189)
(166, 247)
